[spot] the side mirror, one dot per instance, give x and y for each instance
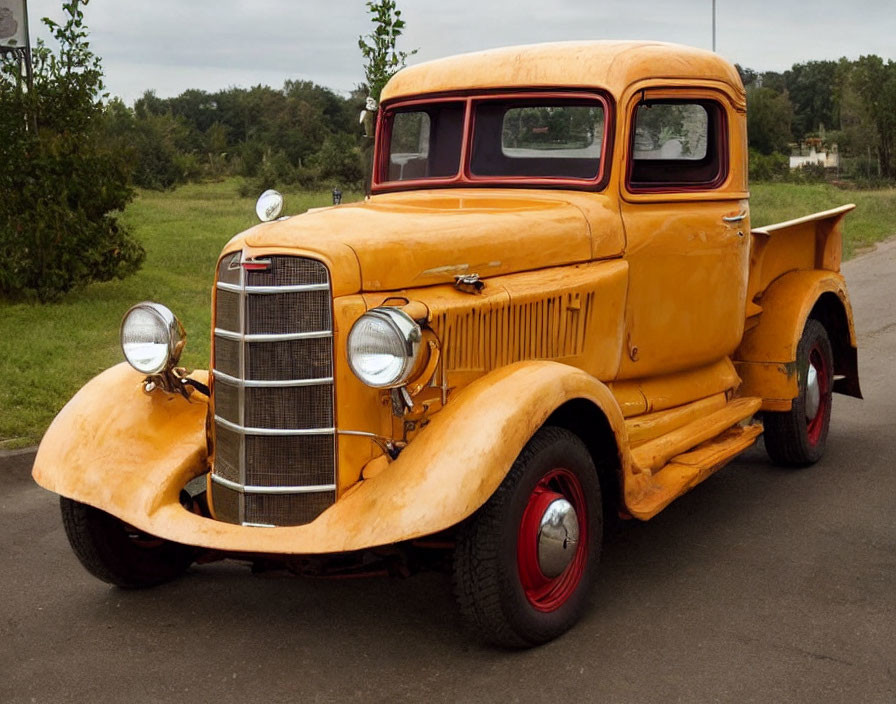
(368, 117)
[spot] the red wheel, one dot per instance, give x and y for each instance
(553, 539)
(524, 563)
(797, 437)
(819, 386)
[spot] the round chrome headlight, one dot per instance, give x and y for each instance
(269, 205)
(152, 338)
(383, 347)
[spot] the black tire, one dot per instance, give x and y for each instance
(115, 553)
(792, 438)
(488, 561)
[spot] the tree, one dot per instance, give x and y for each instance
(382, 59)
(811, 88)
(64, 181)
(748, 76)
(875, 83)
(769, 114)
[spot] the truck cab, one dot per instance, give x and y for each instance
(550, 311)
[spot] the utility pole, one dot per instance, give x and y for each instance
(713, 25)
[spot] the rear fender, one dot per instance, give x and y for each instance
(766, 358)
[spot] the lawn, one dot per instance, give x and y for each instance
(47, 352)
(873, 220)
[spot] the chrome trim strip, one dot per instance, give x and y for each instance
(241, 391)
(272, 289)
(362, 434)
(235, 427)
(272, 337)
(381, 441)
(254, 383)
(257, 525)
(313, 489)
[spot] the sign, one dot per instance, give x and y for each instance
(13, 24)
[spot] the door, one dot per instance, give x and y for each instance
(685, 211)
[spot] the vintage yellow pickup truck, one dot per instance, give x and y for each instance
(550, 312)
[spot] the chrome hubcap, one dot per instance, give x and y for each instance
(558, 536)
(813, 393)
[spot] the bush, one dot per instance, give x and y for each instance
(339, 162)
(809, 173)
(62, 177)
(274, 171)
(768, 167)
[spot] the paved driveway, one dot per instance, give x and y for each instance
(761, 585)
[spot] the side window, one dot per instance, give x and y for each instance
(678, 145)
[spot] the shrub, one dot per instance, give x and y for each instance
(62, 177)
(809, 173)
(339, 161)
(768, 167)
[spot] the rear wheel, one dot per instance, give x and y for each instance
(525, 561)
(119, 554)
(797, 437)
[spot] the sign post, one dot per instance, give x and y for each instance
(14, 35)
(15, 39)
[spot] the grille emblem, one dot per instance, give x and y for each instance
(256, 264)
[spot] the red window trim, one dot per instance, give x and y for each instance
(722, 144)
(465, 178)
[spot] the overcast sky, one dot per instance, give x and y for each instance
(172, 45)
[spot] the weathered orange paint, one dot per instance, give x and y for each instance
(811, 242)
(647, 495)
(674, 323)
(650, 426)
(440, 235)
(652, 456)
(613, 65)
(120, 449)
(450, 470)
(767, 355)
(662, 392)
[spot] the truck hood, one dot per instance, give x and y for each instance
(406, 240)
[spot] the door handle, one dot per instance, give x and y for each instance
(735, 218)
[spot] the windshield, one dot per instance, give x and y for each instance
(513, 138)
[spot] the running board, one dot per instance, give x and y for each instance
(685, 471)
(650, 457)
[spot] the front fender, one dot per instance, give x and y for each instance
(120, 449)
(458, 461)
(449, 470)
(766, 358)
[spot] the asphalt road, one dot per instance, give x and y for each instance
(761, 585)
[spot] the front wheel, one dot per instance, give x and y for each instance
(117, 553)
(797, 437)
(524, 563)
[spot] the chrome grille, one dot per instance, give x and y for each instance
(275, 445)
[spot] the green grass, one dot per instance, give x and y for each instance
(873, 220)
(47, 352)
